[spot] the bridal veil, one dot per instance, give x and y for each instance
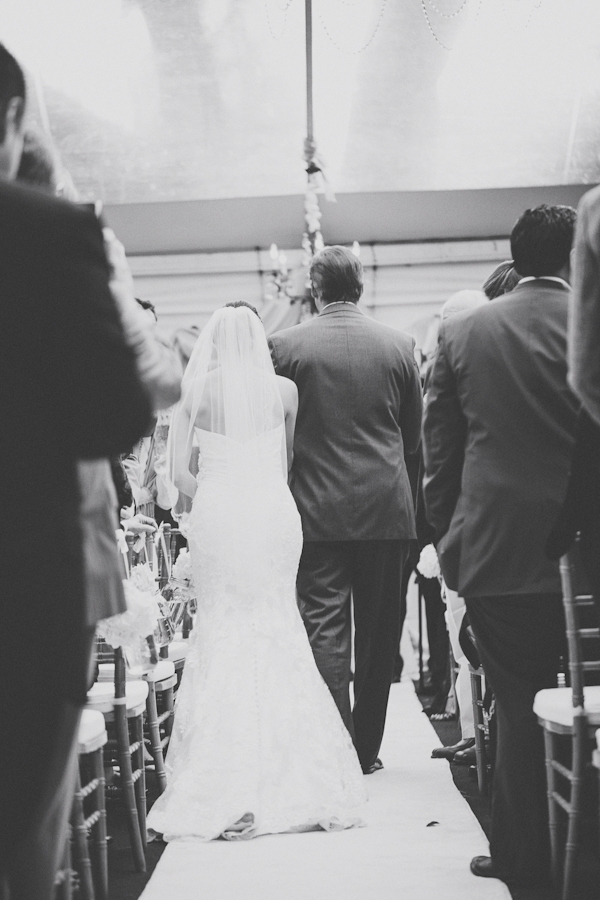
(229, 388)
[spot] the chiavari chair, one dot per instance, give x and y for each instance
(88, 816)
(480, 721)
(573, 713)
(123, 704)
(160, 678)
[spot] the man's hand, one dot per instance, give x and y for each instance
(140, 524)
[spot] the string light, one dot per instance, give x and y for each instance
(369, 41)
(430, 26)
(283, 10)
(537, 5)
(448, 15)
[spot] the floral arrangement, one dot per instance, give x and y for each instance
(128, 629)
(428, 565)
(182, 567)
(179, 592)
(142, 577)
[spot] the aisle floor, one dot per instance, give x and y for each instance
(419, 838)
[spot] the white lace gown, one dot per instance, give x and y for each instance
(256, 730)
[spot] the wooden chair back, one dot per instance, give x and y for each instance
(583, 638)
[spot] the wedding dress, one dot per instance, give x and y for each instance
(257, 737)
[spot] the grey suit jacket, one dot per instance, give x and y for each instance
(584, 319)
(498, 436)
(359, 412)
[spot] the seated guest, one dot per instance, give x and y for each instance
(499, 430)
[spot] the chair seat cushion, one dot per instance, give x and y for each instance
(162, 670)
(106, 672)
(556, 705)
(92, 731)
(101, 696)
(178, 650)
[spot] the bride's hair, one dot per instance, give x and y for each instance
(235, 304)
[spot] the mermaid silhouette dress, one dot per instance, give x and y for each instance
(257, 737)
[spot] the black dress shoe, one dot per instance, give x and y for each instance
(466, 757)
(375, 767)
(483, 867)
(448, 752)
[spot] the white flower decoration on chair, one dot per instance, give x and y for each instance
(428, 564)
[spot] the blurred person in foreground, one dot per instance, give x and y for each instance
(360, 407)
(69, 390)
(101, 481)
(499, 430)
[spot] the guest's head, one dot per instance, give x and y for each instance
(462, 301)
(12, 109)
(336, 275)
(502, 280)
(235, 304)
(541, 241)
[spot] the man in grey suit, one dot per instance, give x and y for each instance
(359, 414)
(499, 430)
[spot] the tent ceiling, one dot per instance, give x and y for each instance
(185, 100)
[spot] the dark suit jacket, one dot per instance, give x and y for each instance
(499, 430)
(68, 389)
(359, 413)
(584, 319)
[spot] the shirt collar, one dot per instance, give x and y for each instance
(546, 278)
(346, 307)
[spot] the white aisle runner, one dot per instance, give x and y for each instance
(396, 857)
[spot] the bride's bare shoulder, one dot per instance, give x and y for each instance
(288, 391)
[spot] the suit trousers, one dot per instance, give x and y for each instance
(37, 795)
(336, 578)
(520, 639)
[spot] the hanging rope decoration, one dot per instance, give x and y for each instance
(369, 41)
(282, 9)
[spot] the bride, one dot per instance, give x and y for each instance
(258, 745)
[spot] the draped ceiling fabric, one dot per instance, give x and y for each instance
(171, 100)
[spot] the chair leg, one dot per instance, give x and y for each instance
(578, 768)
(550, 745)
(99, 842)
(480, 753)
(128, 789)
(64, 883)
(155, 742)
(140, 781)
(168, 702)
(79, 832)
